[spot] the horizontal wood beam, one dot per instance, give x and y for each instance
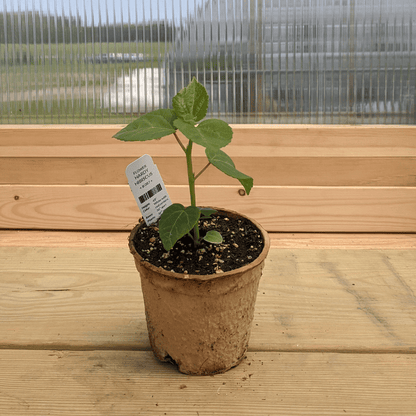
(308, 178)
(278, 209)
(248, 140)
(266, 170)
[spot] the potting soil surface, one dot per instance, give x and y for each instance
(242, 244)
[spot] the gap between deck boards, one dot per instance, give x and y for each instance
(39, 238)
(69, 348)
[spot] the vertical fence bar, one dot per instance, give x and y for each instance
(91, 57)
(57, 56)
(159, 56)
(379, 40)
(35, 62)
(27, 110)
(108, 75)
(324, 48)
(210, 56)
(243, 64)
(120, 58)
(152, 75)
(64, 63)
(401, 70)
(279, 62)
(50, 60)
(14, 65)
(386, 51)
(71, 62)
(20, 58)
(145, 62)
(78, 28)
(100, 48)
(227, 39)
(130, 57)
(411, 72)
(6, 61)
(260, 60)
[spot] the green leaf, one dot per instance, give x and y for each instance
(150, 126)
(224, 163)
(191, 103)
(209, 134)
(213, 237)
(207, 212)
(175, 222)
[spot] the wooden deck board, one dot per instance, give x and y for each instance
(307, 178)
(267, 171)
(265, 383)
(287, 140)
(309, 300)
(277, 208)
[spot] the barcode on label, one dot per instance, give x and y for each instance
(150, 193)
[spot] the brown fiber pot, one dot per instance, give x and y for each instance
(200, 322)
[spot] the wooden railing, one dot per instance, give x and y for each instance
(307, 178)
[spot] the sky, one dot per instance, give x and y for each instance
(117, 9)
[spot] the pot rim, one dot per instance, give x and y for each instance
(204, 277)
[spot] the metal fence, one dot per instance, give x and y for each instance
(262, 61)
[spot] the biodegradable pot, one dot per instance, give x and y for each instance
(200, 322)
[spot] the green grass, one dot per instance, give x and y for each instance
(54, 69)
(88, 49)
(61, 112)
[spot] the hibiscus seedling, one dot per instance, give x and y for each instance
(189, 107)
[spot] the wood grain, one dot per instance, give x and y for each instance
(283, 140)
(308, 178)
(278, 209)
(273, 155)
(63, 383)
(308, 300)
(266, 170)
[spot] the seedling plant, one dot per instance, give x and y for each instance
(189, 107)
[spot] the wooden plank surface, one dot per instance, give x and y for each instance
(278, 209)
(302, 140)
(308, 300)
(266, 170)
(283, 140)
(78, 383)
(308, 178)
(273, 155)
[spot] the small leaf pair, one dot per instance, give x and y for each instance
(177, 221)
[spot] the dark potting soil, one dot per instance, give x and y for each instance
(242, 244)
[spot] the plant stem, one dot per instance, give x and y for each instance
(191, 181)
(191, 176)
(179, 141)
(202, 171)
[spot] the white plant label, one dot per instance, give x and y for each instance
(148, 188)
